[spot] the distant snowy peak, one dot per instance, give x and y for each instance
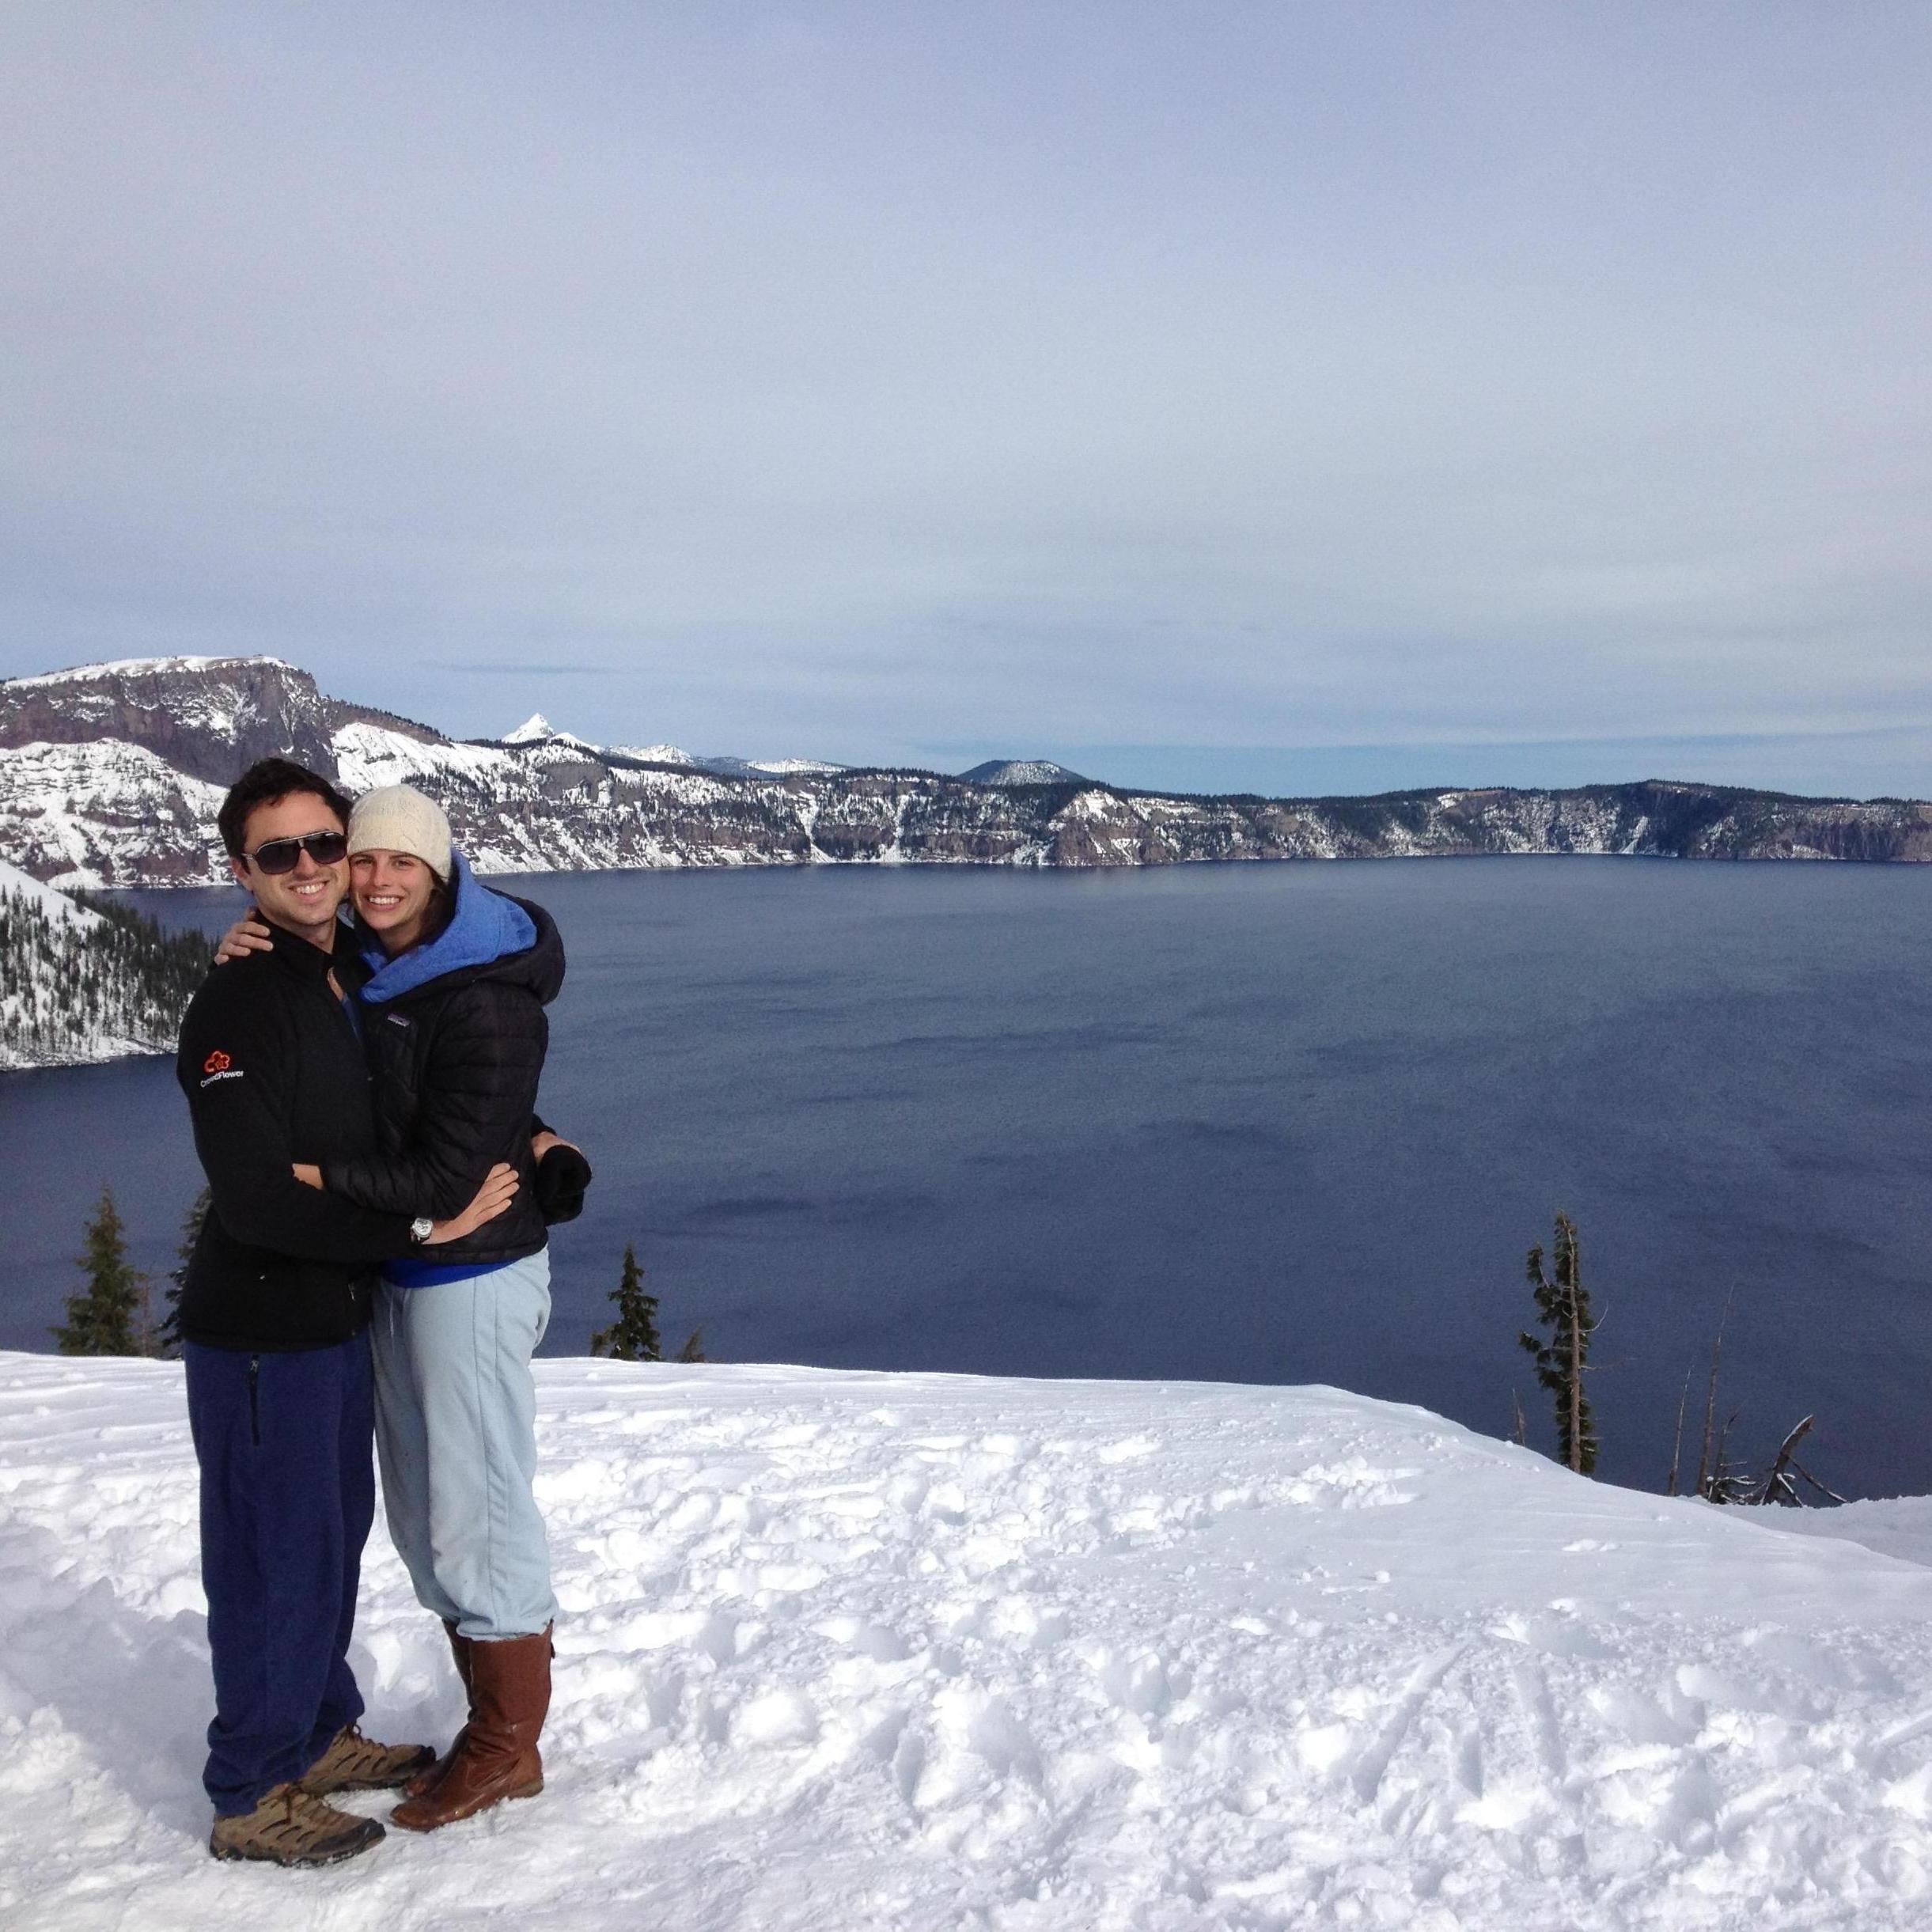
(1022, 772)
(768, 767)
(537, 729)
(791, 767)
(654, 754)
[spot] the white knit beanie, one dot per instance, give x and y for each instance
(398, 818)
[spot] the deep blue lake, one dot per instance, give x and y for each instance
(1279, 1123)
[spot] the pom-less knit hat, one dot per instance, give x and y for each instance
(398, 818)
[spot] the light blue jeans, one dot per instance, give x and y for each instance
(455, 1436)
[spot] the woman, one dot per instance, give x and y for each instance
(453, 1021)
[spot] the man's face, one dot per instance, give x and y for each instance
(302, 901)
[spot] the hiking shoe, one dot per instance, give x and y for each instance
(290, 1826)
(354, 1763)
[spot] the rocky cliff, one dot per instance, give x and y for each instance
(111, 774)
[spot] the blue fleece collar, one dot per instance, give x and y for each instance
(484, 926)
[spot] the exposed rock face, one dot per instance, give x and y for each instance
(112, 775)
(206, 718)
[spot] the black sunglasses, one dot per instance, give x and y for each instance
(281, 855)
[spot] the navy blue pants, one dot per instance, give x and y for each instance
(288, 1492)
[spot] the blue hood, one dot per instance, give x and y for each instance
(484, 926)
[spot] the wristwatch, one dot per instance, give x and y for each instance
(421, 1229)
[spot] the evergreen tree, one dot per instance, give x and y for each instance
(1563, 1306)
(633, 1337)
(67, 991)
(105, 1317)
(693, 1350)
(168, 1340)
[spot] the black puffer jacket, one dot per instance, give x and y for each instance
(273, 1074)
(457, 1062)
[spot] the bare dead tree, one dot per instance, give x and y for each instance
(1706, 1470)
(1719, 1479)
(1777, 1486)
(1727, 1481)
(1676, 1447)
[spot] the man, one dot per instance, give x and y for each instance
(275, 1312)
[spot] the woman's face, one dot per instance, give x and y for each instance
(392, 892)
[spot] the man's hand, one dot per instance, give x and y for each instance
(541, 1144)
(498, 1190)
(247, 935)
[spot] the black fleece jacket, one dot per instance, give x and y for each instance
(457, 1063)
(274, 1073)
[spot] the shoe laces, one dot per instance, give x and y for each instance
(305, 1808)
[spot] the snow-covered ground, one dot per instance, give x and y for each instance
(842, 1652)
(32, 987)
(78, 986)
(57, 905)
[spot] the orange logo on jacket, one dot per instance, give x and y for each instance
(217, 1063)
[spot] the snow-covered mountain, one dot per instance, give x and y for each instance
(1021, 771)
(205, 717)
(537, 729)
(768, 767)
(78, 985)
(874, 1653)
(111, 774)
(654, 754)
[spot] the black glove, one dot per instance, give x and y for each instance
(562, 1176)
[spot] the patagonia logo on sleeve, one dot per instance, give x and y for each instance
(219, 1066)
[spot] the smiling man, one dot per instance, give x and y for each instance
(274, 1314)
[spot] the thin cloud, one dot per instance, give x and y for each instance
(840, 380)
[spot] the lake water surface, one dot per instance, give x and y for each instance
(1281, 1123)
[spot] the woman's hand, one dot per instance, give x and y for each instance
(498, 1190)
(247, 935)
(541, 1144)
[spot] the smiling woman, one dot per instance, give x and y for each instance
(398, 897)
(461, 976)
(401, 867)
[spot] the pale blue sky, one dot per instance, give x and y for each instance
(1273, 396)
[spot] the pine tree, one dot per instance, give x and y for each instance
(168, 1339)
(1563, 1306)
(105, 1317)
(633, 1337)
(693, 1350)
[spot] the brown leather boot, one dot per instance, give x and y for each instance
(428, 1778)
(510, 1698)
